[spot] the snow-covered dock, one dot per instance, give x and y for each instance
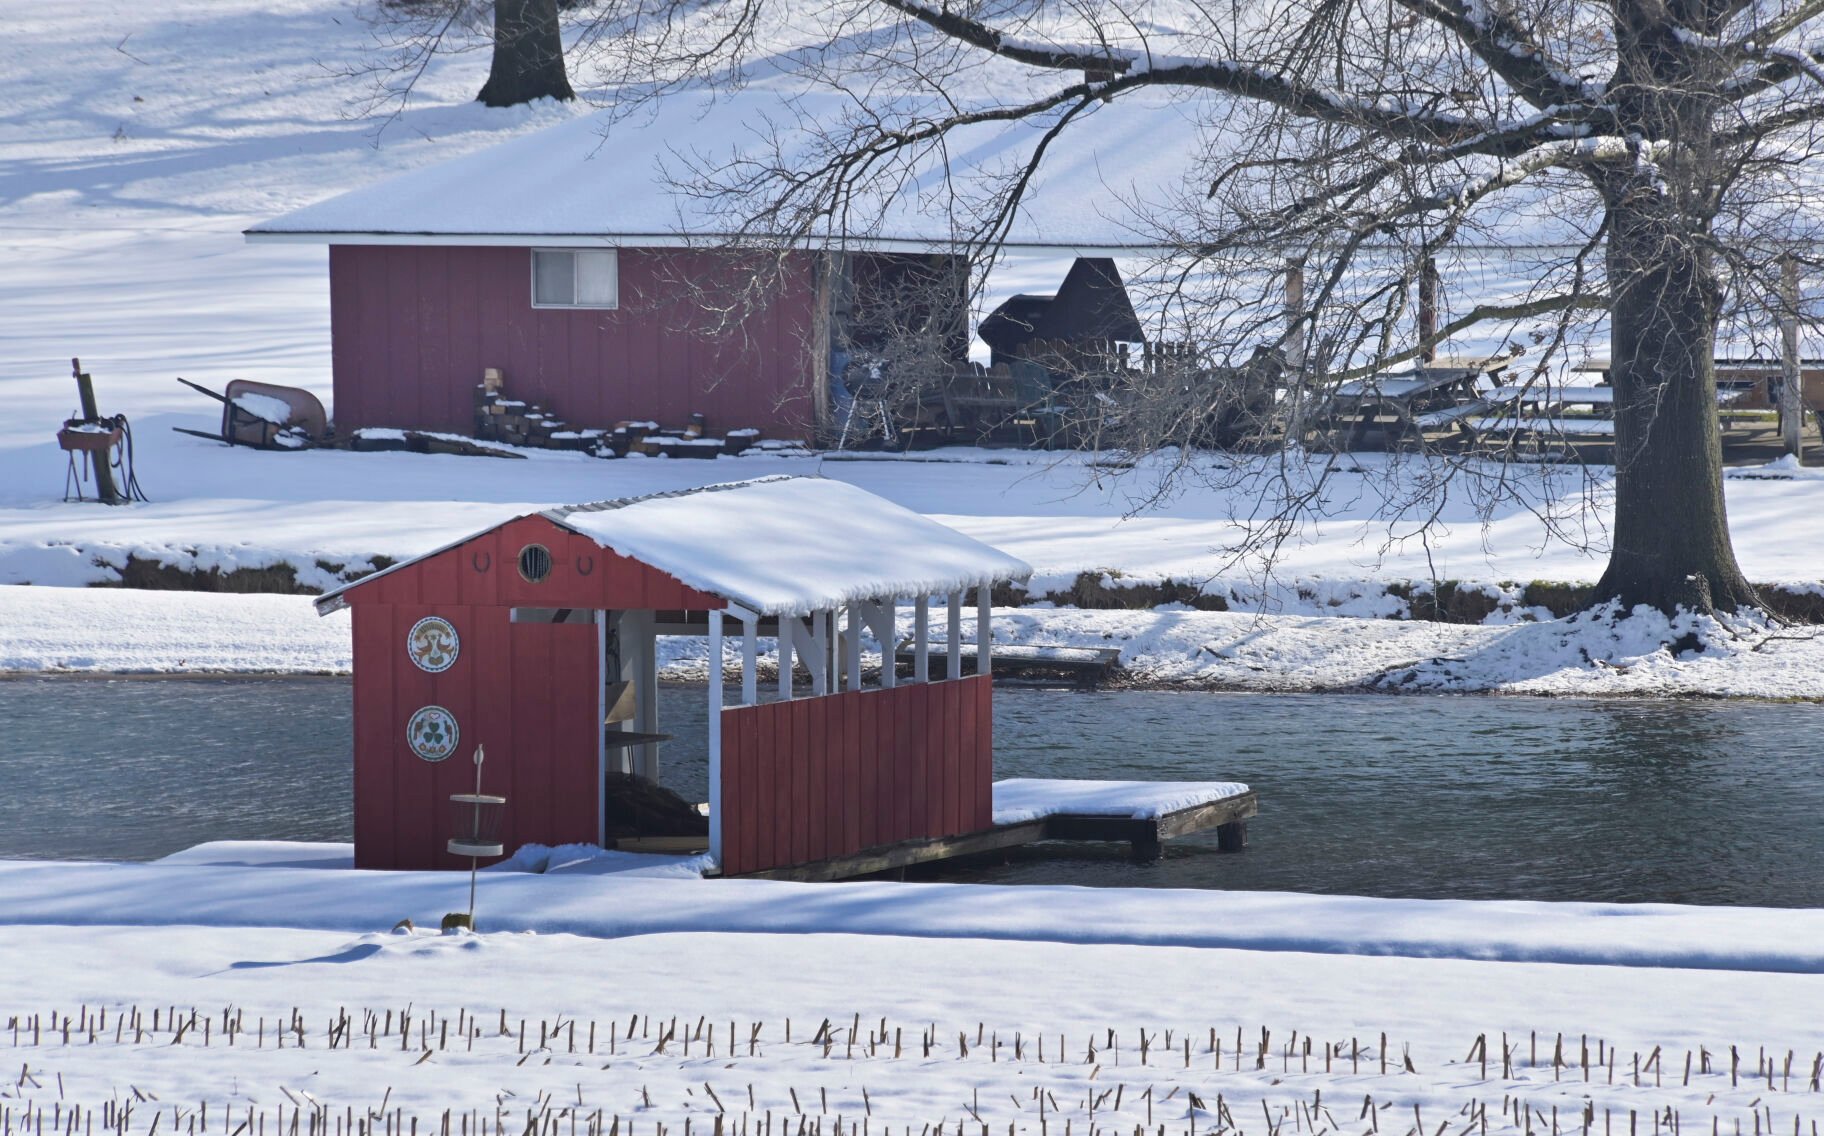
(1027, 810)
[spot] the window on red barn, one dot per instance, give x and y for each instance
(575, 278)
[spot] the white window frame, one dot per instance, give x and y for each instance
(614, 256)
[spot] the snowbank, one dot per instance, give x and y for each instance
(618, 904)
(115, 630)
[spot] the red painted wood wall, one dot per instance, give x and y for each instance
(529, 691)
(819, 777)
(412, 327)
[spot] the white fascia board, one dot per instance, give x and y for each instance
(670, 240)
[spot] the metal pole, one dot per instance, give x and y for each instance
(475, 831)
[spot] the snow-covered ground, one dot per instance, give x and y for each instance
(142, 140)
(907, 1004)
(97, 630)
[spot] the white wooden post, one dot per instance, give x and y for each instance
(851, 648)
(984, 630)
(954, 629)
(787, 625)
(921, 639)
(602, 679)
(715, 736)
(640, 657)
(820, 668)
(750, 659)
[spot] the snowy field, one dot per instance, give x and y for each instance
(611, 1001)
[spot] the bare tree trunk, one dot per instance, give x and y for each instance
(528, 55)
(1671, 539)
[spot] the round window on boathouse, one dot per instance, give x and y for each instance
(534, 563)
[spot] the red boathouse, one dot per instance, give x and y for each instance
(538, 638)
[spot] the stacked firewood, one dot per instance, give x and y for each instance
(520, 423)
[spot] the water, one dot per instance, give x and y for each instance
(1695, 802)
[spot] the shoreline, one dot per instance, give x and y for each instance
(1120, 686)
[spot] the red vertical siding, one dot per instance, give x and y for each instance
(526, 691)
(412, 327)
(820, 777)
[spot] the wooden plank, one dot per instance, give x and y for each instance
(866, 800)
(734, 804)
(904, 853)
(375, 744)
(800, 815)
(1211, 815)
(855, 777)
(958, 752)
(948, 728)
(984, 755)
(1198, 818)
(819, 775)
(781, 774)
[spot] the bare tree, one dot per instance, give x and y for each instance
(1665, 144)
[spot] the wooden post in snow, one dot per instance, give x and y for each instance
(104, 473)
(1792, 403)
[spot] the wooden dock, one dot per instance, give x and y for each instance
(1228, 816)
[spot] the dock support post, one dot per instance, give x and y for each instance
(822, 681)
(715, 736)
(1232, 837)
(921, 639)
(851, 649)
(1148, 847)
(750, 657)
(953, 665)
(984, 630)
(787, 626)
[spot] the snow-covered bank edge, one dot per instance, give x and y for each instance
(619, 906)
(275, 571)
(115, 631)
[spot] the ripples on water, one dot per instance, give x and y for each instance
(1473, 797)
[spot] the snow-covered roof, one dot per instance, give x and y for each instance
(646, 179)
(778, 545)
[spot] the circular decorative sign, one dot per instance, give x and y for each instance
(433, 644)
(432, 733)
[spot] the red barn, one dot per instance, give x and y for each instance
(596, 263)
(527, 637)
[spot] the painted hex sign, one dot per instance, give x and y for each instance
(433, 644)
(432, 733)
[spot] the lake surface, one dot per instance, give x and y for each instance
(1433, 796)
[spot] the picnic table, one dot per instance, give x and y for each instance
(1544, 409)
(1409, 403)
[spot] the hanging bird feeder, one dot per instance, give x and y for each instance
(476, 819)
